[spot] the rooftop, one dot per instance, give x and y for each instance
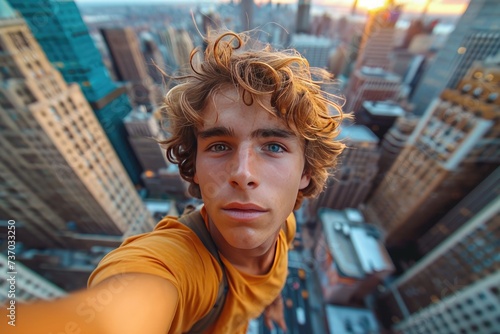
(378, 72)
(358, 133)
(357, 247)
(384, 108)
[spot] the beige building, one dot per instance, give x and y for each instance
(371, 84)
(377, 42)
(130, 66)
(454, 146)
(357, 167)
(143, 132)
(58, 170)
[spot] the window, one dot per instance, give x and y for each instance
(20, 40)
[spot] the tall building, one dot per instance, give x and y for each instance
(392, 145)
(371, 84)
(154, 59)
(143, 131)
(130, 66)
(417, 27)
(179, 46)
(454, 288)
(357, 168)
(324, 26)
(315, 49)
(59, 29)
(476, 37)
(58, 170)
(454, 146)
(304, 17)
(29, 285)
(378, 38)
(379, 116)
(474, 202)
(247, 14)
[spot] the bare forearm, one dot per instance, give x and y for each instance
(146, 304)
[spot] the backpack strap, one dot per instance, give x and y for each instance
(195, 222)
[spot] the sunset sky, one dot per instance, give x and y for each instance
(453, 7)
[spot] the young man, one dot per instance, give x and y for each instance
(253, 134)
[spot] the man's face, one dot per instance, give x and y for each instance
(249, 167)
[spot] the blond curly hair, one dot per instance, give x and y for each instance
(295, 94)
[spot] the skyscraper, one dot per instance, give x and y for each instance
(60, 31)
(454, 146)
(153, 58)
(179, 46)
(357, 167)
(143, 131)
(315, 49)
(371, 84)
(246, 14)
(304, 17)
(130, 66)
(471, 205)
(372, 78)
(55, 160)
(454, 288)
(476, 36)
(378, 38)
(392, 145)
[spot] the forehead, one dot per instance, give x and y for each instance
(228, 105)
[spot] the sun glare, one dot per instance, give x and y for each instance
(371, 4)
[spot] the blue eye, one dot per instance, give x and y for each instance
(275, 148)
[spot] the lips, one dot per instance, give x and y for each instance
(244, 207)
(243, 211)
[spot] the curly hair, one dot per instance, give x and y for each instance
(295, 95)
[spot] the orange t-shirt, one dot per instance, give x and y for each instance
(174, 252)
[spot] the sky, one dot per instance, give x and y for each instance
(453, 7)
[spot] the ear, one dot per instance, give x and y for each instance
(304, 181)
(195, 178)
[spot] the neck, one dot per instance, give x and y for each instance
(257, 261)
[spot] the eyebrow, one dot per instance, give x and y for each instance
(221, 131)
(218, 131)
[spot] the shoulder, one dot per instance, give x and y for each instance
(163, 252)
(171, 251)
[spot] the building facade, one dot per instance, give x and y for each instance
(357, 167)
(143, 132)
(454, 146)
(55, 158)
(130, 66)
(59, 29)
(476, 37)
(371, 84)
(454, 288)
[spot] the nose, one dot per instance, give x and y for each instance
(243, 168)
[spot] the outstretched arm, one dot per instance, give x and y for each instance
(122, 304)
